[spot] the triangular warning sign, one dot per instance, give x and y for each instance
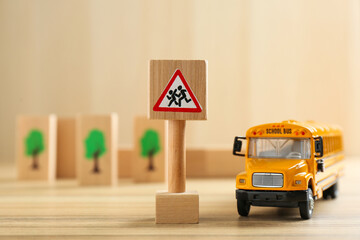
(177, 96)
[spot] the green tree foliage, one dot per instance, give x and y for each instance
(150, 145)
(34, 145)
(95, 147)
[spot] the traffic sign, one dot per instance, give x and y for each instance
(178, 89)
(177, 96)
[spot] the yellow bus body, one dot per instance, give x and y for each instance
(298, 174)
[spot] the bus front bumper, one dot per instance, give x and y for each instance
(272, 198)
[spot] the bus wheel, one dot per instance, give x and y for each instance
(306, 208)
(333, 191)
(243, 207)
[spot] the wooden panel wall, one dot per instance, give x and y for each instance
(268, 61)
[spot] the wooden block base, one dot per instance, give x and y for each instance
(177, 207)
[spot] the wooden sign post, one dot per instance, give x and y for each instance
(178, 92)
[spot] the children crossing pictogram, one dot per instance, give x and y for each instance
(177, 96)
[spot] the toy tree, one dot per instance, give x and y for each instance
(95, 147)
(34, 145)
(150, 145)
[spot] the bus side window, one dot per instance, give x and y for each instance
(331, 144)
(325, 145)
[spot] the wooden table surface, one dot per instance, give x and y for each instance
(36, 210)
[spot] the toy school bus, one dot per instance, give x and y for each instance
(289, 164)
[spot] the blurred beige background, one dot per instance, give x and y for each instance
(268, 61)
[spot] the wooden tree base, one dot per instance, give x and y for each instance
(177, 207)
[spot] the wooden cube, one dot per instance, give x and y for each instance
(36, 147)
(149, 154)
(177, 207)
(66, 150)
(97, 149)
(125, 159)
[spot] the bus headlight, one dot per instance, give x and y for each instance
(242, 181)
(297, 182)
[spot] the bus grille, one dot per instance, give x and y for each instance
(267, 180)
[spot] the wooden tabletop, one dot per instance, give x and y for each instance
(36, 210)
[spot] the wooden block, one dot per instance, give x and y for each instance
(149, 155)
(36, 147)
(177, 207)
(66, 150)
(125, 159)
(213, 163)
(176, 86)
(97, 149)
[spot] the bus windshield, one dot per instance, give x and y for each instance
(284, 148)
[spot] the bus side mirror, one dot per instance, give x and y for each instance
(320, 165)
(237, 146)
(319, 149)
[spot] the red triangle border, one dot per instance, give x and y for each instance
(162, 96)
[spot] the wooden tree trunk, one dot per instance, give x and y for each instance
(151, 161)
(35, 164)
(96, 165)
